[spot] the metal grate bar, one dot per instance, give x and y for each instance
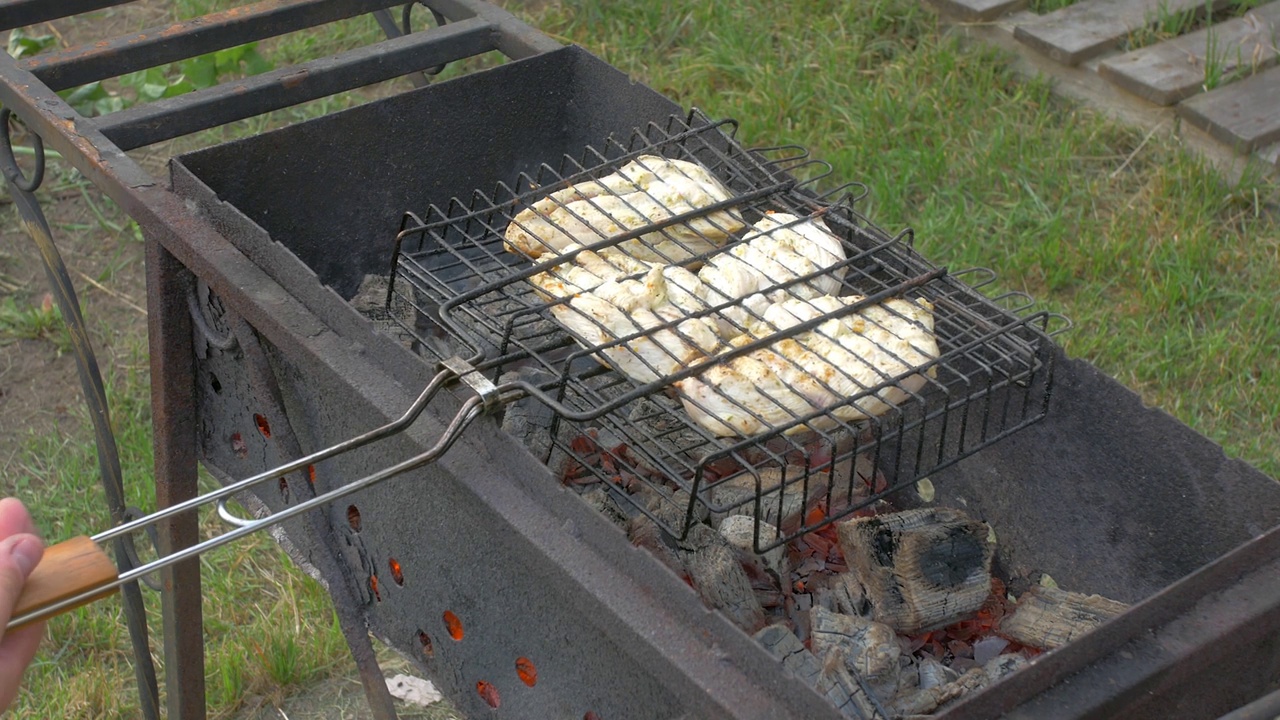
(177, 41)
(173, 117)
(21, 13)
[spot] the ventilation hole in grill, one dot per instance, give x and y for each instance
(263, 426)
(284, 488)
(311, 474)
(453, 625)
(215, 384)
(488, 693)
(425, 640)
(353, 518)
(238, 447)
(373, 587)
(527, 672)
(396, 573)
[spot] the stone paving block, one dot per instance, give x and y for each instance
(1086, 29)
(1175, 69)
(1244, 114)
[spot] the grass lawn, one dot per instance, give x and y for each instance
(1168, 271)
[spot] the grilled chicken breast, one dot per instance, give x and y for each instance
(587, 271)
(619, 308)
(815, 369)
(647, 190)
(780, 247)
(638, 288)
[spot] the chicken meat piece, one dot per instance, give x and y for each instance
(815, 370)
(587, 271)
(618, 308)
(780, 247)
(636, 175)
(636, 196)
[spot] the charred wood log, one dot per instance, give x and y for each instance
(784, 497)
(1046, 617)
(704, 557)
(867, 648)
(645, 533)
(739, 532)
(927, 699)
(600, 499)
(718, 577)
(922, 569)
(848, 596)
(831, 680)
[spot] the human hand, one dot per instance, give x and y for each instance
(20, 552)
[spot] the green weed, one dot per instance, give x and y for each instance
(21, 44)
(85, 665)
(171, 80)
(41, 321)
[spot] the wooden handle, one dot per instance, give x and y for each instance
(67, 569)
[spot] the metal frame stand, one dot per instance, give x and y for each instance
(173, 425)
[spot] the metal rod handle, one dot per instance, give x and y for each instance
(72, 573)
(74, 593)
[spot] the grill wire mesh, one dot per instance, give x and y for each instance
(465, 294)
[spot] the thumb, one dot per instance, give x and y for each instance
(19, 555)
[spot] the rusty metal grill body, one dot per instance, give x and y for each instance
(255, 249)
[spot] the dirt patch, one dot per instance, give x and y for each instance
(40, 390)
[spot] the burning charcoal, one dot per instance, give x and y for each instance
(402, 320)
(932, 673)
(709, 561)
(987, 649)
(832, 680)
(600, 499)
(644, 532)
(866, 647)
(668, 507)
(922, 569)
(718, 577)
(927, 699)
(528, 420)
(739, 530)
(1047, 617)
(784, 509)
(848, 595)
(661, 417)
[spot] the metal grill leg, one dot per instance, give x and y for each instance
(22, 192)
(173, 422)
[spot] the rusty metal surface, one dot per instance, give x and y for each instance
(184, 114)
(20, 13)
(173, 427)
(273, 422)
(176, 41)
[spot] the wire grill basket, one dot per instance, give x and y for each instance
(457, 289)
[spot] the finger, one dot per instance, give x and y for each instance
(19, 555)
(16, 653)
(14, 518)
